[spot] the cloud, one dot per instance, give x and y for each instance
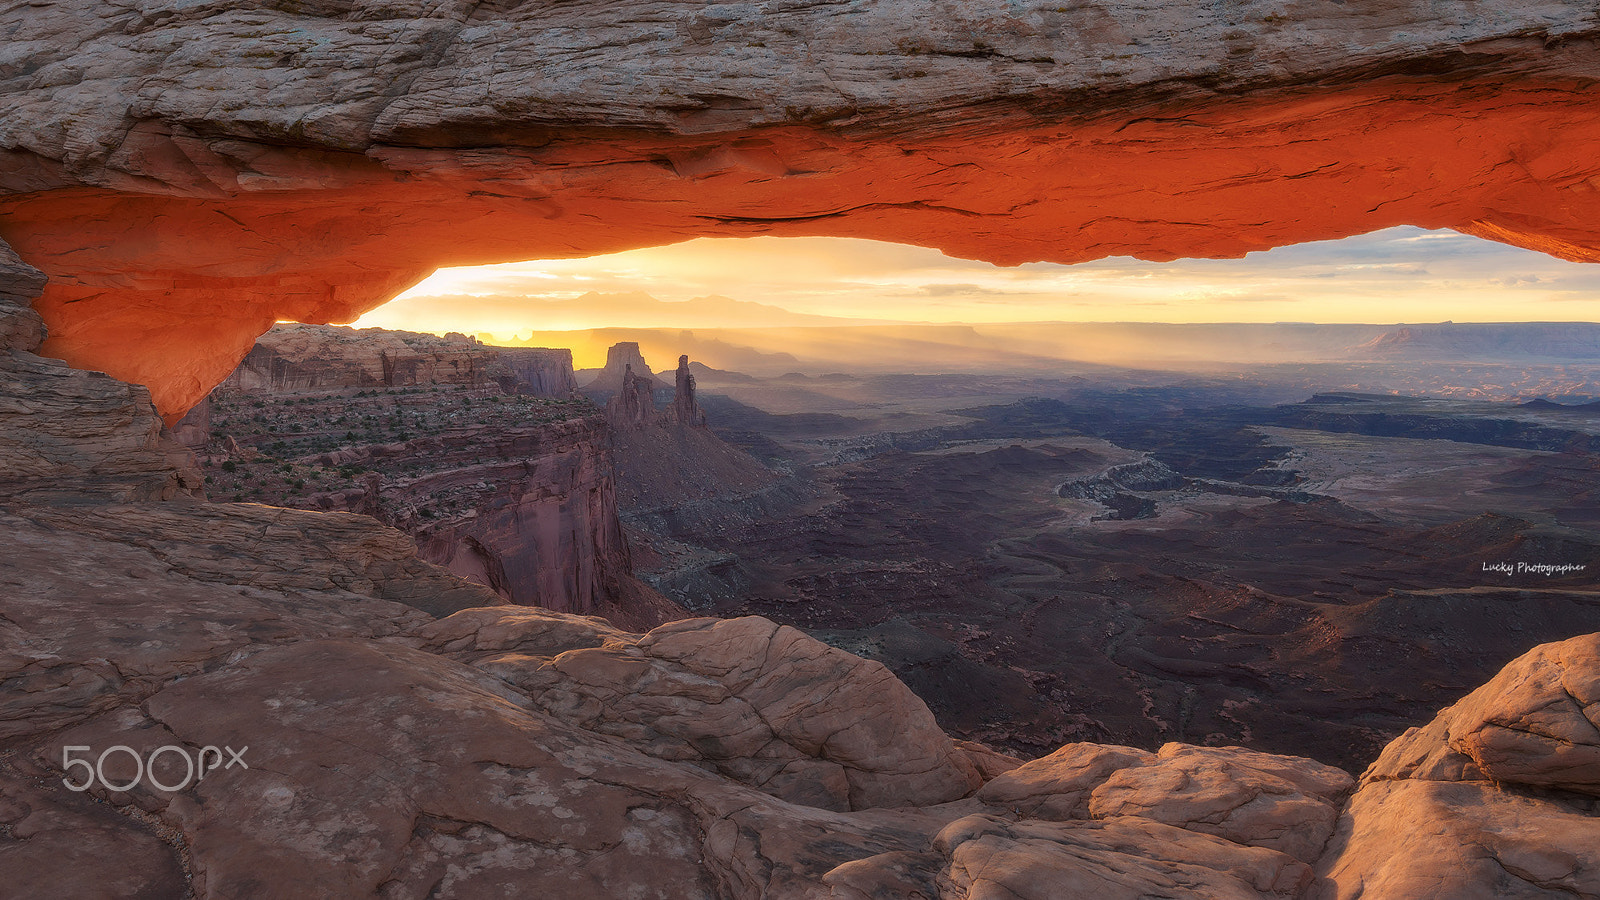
(969, 290)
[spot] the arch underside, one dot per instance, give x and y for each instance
(173, 242)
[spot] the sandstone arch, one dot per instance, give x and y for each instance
(188, 174)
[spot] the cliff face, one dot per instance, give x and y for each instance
(529, 512)
(541, 371)
(187, 179)
(511, 491)
(309, 357)
(623, 358)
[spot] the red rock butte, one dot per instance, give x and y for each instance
(186, 177)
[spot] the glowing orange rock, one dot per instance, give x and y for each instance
(308, 165)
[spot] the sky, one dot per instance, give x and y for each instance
(1396, 275)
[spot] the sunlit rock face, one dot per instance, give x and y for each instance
(188, 174)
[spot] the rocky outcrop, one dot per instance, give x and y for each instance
(685, 409)
(622, 358)
(1497, 797)
(67, 433)
(759, 703)
(633, 405)
(163, 189)
(292, 358)
(1536, 724)
(540, 371)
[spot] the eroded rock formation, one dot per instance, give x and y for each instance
(65, 432)
(312, 357)
(685, 409)
(621, 358)
(186, 178)
(513, 493)
(1497, 797)
(633, 405)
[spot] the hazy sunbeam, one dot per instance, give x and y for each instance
(1397, 275)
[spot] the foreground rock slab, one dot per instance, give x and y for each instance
(1494, 798)
(509, 751)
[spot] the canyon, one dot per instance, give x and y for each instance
(1300, 577)
(402, 733)
(176, 179)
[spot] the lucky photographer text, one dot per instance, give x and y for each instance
(195, 767)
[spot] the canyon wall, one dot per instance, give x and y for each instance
(540, 371)
(529, 512)
(309, 357)
(448, 441)
(186, 178)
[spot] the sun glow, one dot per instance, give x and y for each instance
(1397, 275)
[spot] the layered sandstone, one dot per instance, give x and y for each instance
(512, 492)
(292, 358)
(65, 432)
(621, 359)
(187, 177)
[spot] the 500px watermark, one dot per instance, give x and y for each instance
(204, 760)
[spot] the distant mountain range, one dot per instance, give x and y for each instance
(845, 345)
(640, 310)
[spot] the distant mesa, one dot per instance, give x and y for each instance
(292, 358)
(1481, 341)
(621, 358)
(704, 372)
(632, 405)
(1541, 403)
